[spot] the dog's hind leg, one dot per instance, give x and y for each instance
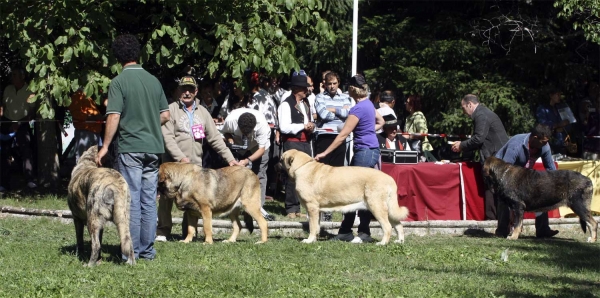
(94, 227)
(581, 208)
(79, 236)
(254, 211)
(313, 223)
(234, 215)
(518, 223)
(382, 217)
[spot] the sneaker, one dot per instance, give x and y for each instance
(343, 237)
(160, 238)
(269, 217)
(546, 234)
(366, 238)
(326, 216)
(356, 240)
(31, 184)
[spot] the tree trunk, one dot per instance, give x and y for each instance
(47, 154)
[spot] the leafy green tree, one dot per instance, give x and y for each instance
(586, 16)
(66, 44)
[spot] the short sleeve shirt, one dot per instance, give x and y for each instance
(138, 97)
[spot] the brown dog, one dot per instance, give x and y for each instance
(202, 192)
(321, 187)
(530, 190)
(97, 195)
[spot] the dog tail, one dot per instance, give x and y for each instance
(396, 212)
(583, 225)
(249, 222)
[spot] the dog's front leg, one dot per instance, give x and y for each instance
(207, 219)
(518, 222)
(313, 223)
(192, 221)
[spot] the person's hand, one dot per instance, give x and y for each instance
(331, 110)
(234, 163)
(456, 146)
(309, 126)
(244, 162)
(185, 159)
(319, 156)
(101, 154)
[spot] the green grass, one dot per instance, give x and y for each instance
(36, 260)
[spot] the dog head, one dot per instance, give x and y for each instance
(491, 169)
(293, 159)
(166, 186)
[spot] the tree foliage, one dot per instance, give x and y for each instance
(65, 44)
(434, 49)
(585, 15)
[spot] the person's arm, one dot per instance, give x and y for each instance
(547, 158)
(482, 128)
(379, 121)
(112, 123)
(213, 137)
(349, 126)
(285, 120)
(168, 131)
(322, 110)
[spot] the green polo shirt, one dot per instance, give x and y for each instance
(138, 97)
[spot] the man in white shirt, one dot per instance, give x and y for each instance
(296, 126)
(249, 127)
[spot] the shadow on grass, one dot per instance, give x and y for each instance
(114, 252)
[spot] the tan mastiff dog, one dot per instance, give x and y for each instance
(321, 187)
(204, 192)
(97, 195)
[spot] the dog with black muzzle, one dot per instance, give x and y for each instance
(204, 192)
(537, 191)
(95, 196)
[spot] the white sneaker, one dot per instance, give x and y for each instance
(356, 240)
(160, 238)
(31, 184)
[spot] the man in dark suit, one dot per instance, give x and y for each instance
(488, 137)
(389, 138)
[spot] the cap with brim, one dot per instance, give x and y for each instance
(299, 81)
(390, 121)
(358, 81)
(188, 81)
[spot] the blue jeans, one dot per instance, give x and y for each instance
(140, 170)
(367, 158)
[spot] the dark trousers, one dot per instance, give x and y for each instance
(292, 203)
(337, 156)
(490, 204)
(24, 143)
(542, 223)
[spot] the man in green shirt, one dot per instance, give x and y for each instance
(137, 107)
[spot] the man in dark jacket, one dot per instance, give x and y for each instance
(488, 137)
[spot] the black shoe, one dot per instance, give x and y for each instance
(343, 237)
(366, 238)
(546, 234)
(269, 217)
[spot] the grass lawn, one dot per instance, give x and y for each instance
(36, 260)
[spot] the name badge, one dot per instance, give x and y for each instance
(198, 132)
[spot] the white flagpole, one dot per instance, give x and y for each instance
(354, 55)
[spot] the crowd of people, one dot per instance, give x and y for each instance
(250, 121)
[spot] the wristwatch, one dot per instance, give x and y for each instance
(249, 165)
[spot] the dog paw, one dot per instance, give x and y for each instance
(399, 241)
(228, 241)
(308, 241)
(511, 238)
(259, 242)
(590, 240)
(185, 241)
(380, 243)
